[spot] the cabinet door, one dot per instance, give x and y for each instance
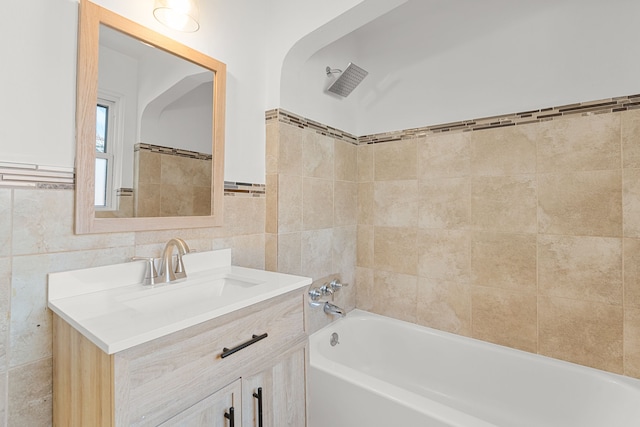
(283, 394)
(212, 411)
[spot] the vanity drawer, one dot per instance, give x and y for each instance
(158, 379)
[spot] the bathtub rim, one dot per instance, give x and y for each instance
(361, 315)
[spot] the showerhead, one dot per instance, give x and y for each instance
(348, 80)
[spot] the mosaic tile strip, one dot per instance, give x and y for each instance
(611, 105)
(244, 189)
(171, 151)
(124, 192)
(22, 175)
(304, 123)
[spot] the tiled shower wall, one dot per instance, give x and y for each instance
(36, 238)
(311, 208)
(171, 182)
(526, 236)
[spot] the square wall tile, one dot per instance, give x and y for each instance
(244, 215)
(316, 253)
(317, 203)
(580, 203)
(630, 136)
(504, 203)
(149, 167)
(344, 252)
(248, 251)
(504, 151)
(444, 155)
(365, 292)
(444, 255)
(394, 249)
(395, 160)
(289, 203)
(318, 155)
(346, 161)
(271, 204)
(580, 144)
(365, 163)
(365, 246)
(365, 203)
(632, 342)
(445, 306)
(631, 272)
(30, 394)
(290, 150)
(395, 295)
(507, 261)
(504, 317)
(345, 203)
(30, 324)
(444, 203)
(581, 268)
(272, 135)
(583, 332)
(289, 256)
(43, 222)
(271, 252)
(631, 202)
(395, 203)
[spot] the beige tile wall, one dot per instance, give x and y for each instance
(170, 185)
(526, 236)
(36, 238)
(311, 209)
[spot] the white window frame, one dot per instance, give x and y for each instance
(114, 147)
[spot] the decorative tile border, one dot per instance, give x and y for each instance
(304, 123)
(141, 146)
(22, 175)
(611, 105)
(239, 189)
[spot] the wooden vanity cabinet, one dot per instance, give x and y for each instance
(181, 380)
(213, 411)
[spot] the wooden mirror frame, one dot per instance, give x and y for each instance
(90, 18)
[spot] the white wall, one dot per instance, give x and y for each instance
(450, 60)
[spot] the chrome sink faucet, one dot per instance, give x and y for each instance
(169, 272)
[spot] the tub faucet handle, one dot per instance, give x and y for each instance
(336, 285)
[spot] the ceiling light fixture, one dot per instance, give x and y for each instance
(181, 15)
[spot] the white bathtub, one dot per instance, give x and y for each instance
(389, 373)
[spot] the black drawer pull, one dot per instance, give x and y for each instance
(258, 396)
(254, 339)
(230, 416)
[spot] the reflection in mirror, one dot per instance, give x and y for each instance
(150, 129)
(154, 131)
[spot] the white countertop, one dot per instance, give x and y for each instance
(110, 307)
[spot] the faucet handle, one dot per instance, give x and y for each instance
(335, 285)
(180, 271)
(151, 274)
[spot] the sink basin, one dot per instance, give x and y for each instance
(191, 294)
(111, 307)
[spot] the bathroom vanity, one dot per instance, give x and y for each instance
(227, 347)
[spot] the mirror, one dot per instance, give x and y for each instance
(150, 129)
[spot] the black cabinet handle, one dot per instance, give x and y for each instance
(254, 339)
(258, 396)
(230, 416)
